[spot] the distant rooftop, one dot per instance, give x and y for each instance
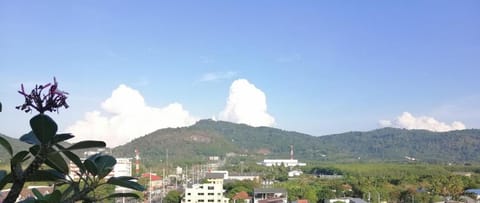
(215, 175)
(476, 191)
(269, 190)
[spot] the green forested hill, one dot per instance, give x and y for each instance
(208, 137)
(216, 138)
(395, 144)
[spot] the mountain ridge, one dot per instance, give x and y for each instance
(193, 144)
(384, 144)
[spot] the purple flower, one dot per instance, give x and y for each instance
(53, 100)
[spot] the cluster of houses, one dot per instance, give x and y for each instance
(212, 191)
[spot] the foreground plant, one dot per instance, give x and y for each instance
(48, 149)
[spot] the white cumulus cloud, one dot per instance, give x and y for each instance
(246, 104)
(126, 116)
(408, 121)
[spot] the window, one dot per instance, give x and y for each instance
(210, 193)
(201, 200)
(210, 200)
(210, 187)
(189, 193)
(189, 200)
(219, 200)
(201, 193)
(219, 194)
(201, 187)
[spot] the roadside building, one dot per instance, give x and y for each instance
(269, 195)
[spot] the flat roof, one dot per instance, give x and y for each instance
(215, 175)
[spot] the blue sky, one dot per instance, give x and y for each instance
(324, 66)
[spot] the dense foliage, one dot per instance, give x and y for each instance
(375, 182)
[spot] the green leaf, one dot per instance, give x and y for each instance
(90, 166)
(67, 191)
(30, 138)
(105, 165)
(74, 158)
(55, 196)
(56, 161)
(87, 144)
(3, 173)
(116, 195)
(61, 137)
(125, 183)
(18, 158)
(43, 127)
(126, 178)
(46, 175)
(37, 193)
(5, 179)
(6, 145)
(34, 149)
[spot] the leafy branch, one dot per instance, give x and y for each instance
(47, 149)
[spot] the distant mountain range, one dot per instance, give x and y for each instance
(217, 138)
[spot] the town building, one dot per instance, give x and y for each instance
(210, 192)
(155, 182)
(269, 195)
(281, 162)
(294, 173)
(346, 200)
(242, 197)
(473, 193)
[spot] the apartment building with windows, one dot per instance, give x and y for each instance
(210, 192)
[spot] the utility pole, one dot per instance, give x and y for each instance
(150, 186)
(163, 184)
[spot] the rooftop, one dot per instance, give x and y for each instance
(214, 175)
(269, 190)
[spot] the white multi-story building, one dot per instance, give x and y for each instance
(122, 168)
(211, 192)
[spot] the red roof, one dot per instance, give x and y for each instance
(153, 176)
(302, 201)
(241, 195)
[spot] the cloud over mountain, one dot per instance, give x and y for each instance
(246, 104)
(408, 121)
(126, 116)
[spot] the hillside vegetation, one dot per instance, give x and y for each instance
(216, 138)
(195, 143)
